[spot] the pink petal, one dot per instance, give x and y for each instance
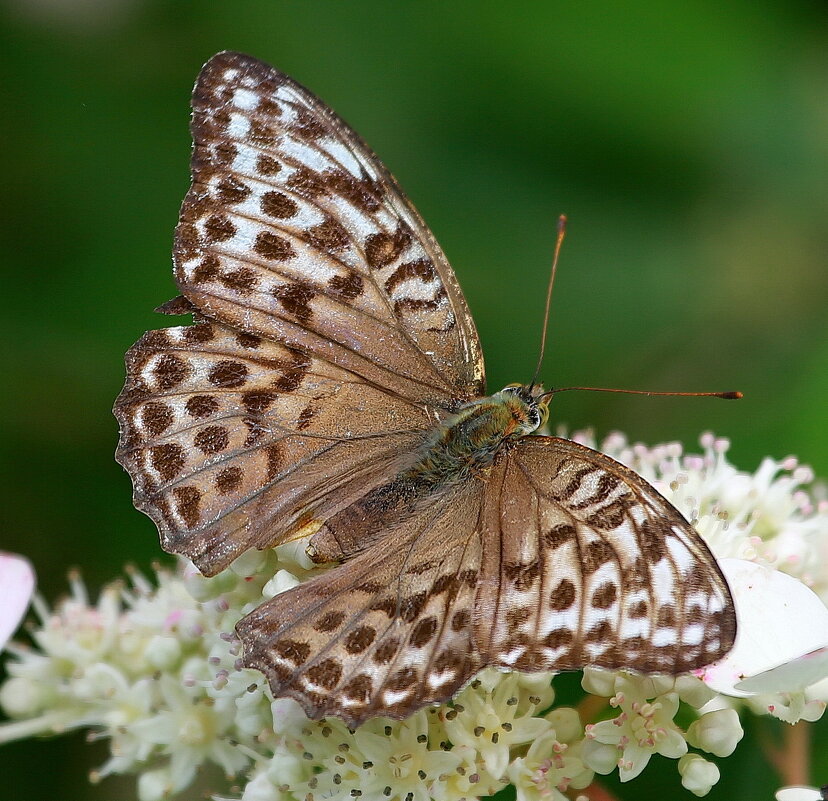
(17, 581)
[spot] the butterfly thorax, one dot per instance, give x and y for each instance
(466, 443)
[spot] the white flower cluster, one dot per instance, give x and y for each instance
(153, 667)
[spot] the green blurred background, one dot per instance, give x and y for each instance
(686, 141)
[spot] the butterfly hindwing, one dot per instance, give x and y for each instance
(385, 633)
(590, 565)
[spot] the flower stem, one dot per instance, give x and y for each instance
(792, 758)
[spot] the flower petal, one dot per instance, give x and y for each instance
(17, 582)
(779, 619)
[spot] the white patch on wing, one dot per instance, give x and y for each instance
(344, 157)
(663, 637)
(663, 580)
(415, 289)
(512, 656)
(391, 697)
(245, 99)
(318, 270)
(436, 680)
(681, 555)
(305, 154)
(624, 541)
(635, 627)
(238, 127)
(693, 634)
(244, 162)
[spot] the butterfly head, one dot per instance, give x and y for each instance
(529, 407)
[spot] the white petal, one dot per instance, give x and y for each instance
(798, 794)
(778, 618)
(791, 676)
(17, 581)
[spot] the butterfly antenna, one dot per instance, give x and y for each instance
(723, 395)
(558, 243)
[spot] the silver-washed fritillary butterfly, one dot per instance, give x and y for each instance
(332, 382)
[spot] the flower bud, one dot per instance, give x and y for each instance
(567, 724)
(163, 652)
(697, 774)
(154, 785)
(717, 732)
(283, 580)
(599, 681)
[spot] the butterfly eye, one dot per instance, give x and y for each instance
(515, 387)
(543, 409)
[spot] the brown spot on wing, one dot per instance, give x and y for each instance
(242, 280)
(250, 341)
(275, 460)
(329, 236)
(201, 406)
(206, 270)
(156, 417)
(386, 651)
(167, 459)
(228, 374)
(651, 539)
(258, 401)
(359, 688)
(326, 674)
(360, 639)
(597, 553)
(272, 246)
(210, 440)
(329, 621)
(347, 286)
(422, 269)
(169, 371)
(219, 228)
(605, 596)
(229, 480)
(279, 205)
(296, 652)
(187, 500)
(522, 575)
(423, 632)
(295, 299)
(231, 191)
(558, 535)
(267, 165)
(199, 333)
(563, 596)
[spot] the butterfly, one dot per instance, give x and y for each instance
(332, 386)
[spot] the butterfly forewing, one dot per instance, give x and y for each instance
(293, 230)
(586, 564)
